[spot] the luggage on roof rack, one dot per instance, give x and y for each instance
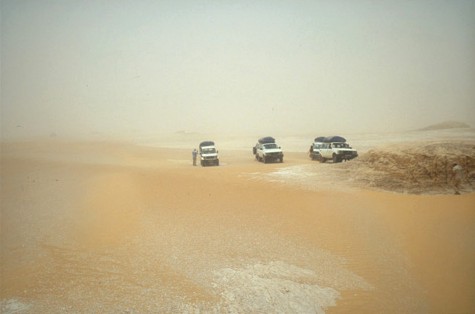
(266, 140)
(331, 139)
(206, 143)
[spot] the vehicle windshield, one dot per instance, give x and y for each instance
(211, 150)
(272, 145)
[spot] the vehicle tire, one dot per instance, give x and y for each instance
(265, 159)
(281, 159)
(322, 159)
(335, 158)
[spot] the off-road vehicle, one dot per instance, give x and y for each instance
(208, 154)
(331, 147)
(266, 150)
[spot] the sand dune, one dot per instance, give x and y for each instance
(446, 125)
(114, 227)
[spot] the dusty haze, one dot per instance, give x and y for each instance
(144, 67)
(103, 212)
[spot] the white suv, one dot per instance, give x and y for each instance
(267, 150)
(332, 147)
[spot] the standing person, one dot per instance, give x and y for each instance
(457, 172)
(194, 154)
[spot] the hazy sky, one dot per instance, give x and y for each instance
(269, 67)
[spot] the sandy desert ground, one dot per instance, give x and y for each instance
(114, 227)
